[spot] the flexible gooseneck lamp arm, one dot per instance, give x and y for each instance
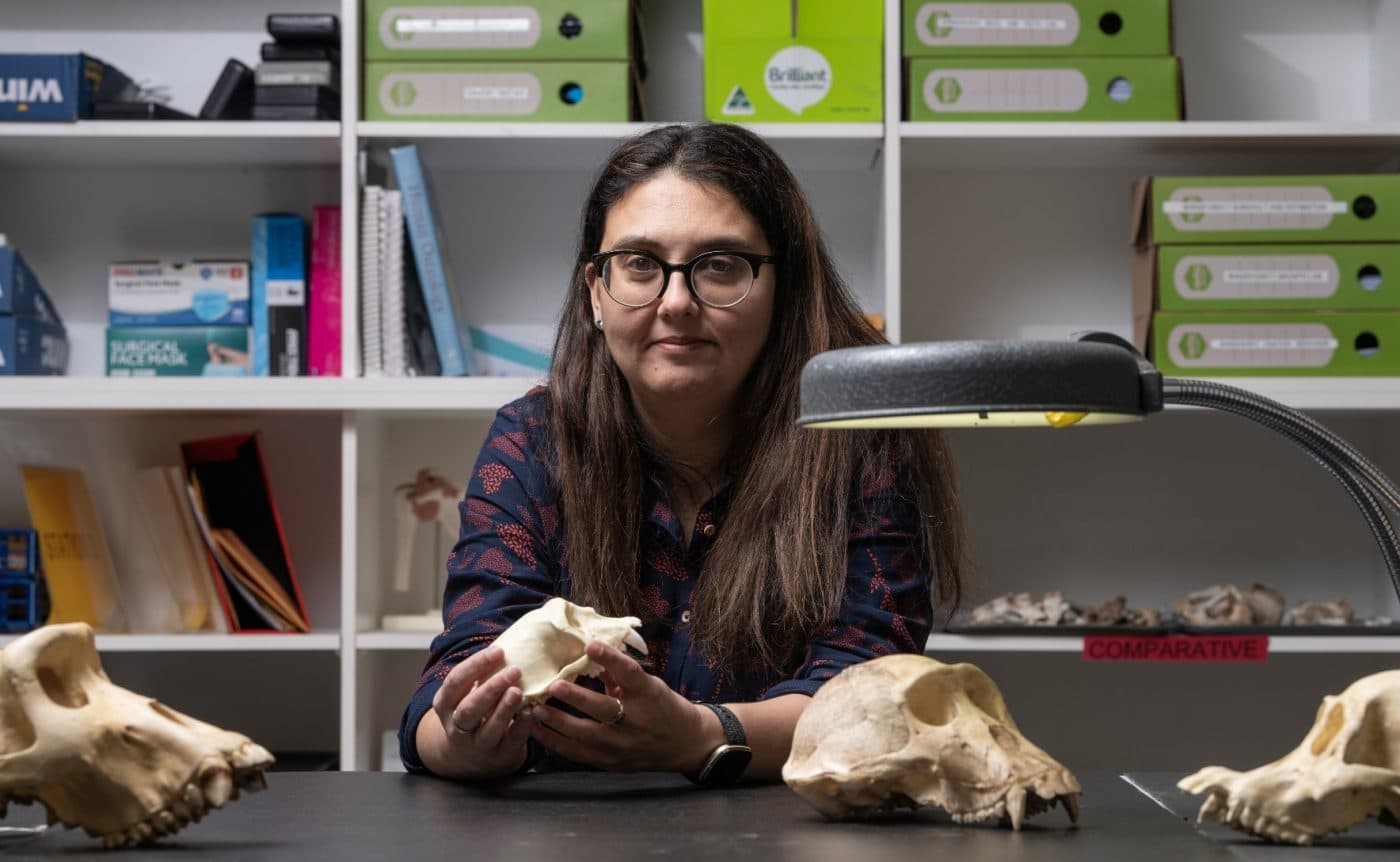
(1093, 378)
(1363, 481)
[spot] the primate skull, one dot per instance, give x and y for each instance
(125, 768)
(909, 730)
(547, 644)
(1346, 769)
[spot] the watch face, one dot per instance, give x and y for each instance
(726, 765)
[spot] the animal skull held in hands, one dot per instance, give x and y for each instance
(909, 730)
(547, 644)
(1346, 769)
(125, 768)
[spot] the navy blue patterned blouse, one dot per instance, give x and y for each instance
(507, 562)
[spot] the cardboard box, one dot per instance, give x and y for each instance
(178, 351)
(1278, 277)
(535, 30)
(1324, 343)
(31, 346)
(178, 293)
(1045, 88)
(1330, 208)
(794, 61)
(1069, 27)
(58, 87)
(21, 295)
(598, 91)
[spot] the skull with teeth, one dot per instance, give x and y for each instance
(125, 768)
(909, 730)
(547, 644)
(1346, 769)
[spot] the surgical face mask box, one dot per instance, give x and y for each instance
(1329, 208)
(1081, 28)
(58, 87)
(816, 61)
(599, 92)
(540, 30)
(21, 295)
(178, 351)
(1045, 88)
(1317, 344)
(178, 293)
(32, 347)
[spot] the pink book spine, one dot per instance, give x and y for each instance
(323, 312)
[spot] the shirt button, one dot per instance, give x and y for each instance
(685, 617)
(709, 530)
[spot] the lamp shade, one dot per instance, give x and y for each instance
(971, 383)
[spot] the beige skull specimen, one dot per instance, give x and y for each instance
(547, 644)
(909, 730)
(1346, 769)
(125, 768)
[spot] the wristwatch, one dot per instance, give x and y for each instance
(726, 764)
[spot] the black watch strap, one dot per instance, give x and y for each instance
(733, 729)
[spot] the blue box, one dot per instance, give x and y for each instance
(58, 87)
(21, 295)
(19, 552)
(279, 295)
(19, 603)
(30, 346)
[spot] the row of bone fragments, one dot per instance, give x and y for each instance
(1219, 605)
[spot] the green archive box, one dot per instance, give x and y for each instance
(1336, 208)
(1044, 88)
(1282, 344)
(794, 60)
(1278, 277)
(537, 30)
(1079, 28)
(598, 91)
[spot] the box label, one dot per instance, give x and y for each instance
(1083, 28)
(1177, 648)
(1199, 278)
(465, 30)
(1044, 88)
(983, 24)
(798, 78)
(592, 91)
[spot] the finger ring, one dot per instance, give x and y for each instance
(621, 714)
(457, 727)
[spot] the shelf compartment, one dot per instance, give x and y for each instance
(1185, 148)
(280, 394)
(169, 143)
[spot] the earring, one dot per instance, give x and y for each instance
(598, 322)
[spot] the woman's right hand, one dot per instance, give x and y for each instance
(473, 730)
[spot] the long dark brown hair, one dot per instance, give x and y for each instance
(776, 573)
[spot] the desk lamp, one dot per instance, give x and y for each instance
(1092, 379)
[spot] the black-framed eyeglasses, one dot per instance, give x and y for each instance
(719, 279)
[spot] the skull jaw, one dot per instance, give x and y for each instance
(123, 767)
(1282, 803)
(910, 780)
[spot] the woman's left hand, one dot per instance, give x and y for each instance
(640, 724)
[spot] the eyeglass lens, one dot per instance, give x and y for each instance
(634, 278)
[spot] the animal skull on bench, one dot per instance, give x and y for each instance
(906, 730)
(125, 768)
(1346, 769)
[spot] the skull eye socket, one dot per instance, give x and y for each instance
(59, 691)
(928, 700)
(1333, 717)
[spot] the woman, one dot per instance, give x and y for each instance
(660, 475)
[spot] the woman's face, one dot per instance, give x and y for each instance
(677, 347)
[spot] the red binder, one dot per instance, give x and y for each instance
(232, 480)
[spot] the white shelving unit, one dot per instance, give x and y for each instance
(996, 230)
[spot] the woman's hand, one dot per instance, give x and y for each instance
(478, 733)
(639, 724)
